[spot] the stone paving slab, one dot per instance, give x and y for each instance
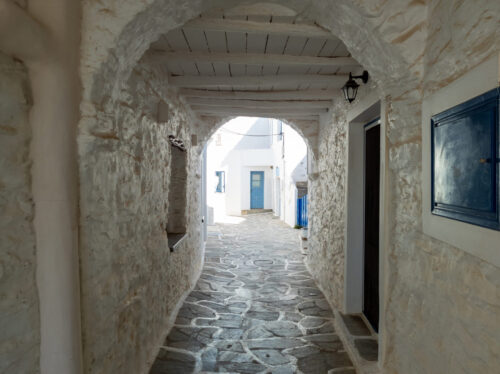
(255, 309)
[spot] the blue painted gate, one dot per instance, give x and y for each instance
(256, 190)
(302, 211)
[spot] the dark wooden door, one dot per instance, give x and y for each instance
(372, 200)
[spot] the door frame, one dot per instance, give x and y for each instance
(365, 112)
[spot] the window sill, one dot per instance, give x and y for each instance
(174, 240)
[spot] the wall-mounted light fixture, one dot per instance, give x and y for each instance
(350, 88)
(177, 143)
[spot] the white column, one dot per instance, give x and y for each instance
(54, 118)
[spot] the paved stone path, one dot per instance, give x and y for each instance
(255, 309)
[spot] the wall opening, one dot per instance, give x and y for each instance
(259, 164)
(176, 216)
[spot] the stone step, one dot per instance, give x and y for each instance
(255, 211)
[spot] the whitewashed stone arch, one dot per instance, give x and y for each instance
(386, 40)
(116, 34)
(307, 130)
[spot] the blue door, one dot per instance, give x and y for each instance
(256, 190)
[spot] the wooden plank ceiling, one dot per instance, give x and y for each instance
(256, 62)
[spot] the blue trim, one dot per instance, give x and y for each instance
(485, 109)
(221, 184)
(302, 211)
(373, 121)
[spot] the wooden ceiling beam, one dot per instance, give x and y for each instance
(260, 9)
(261, 95)
(256, 80)
(258, 104)
(309, 119)
(255, 27)
(249, 59)
(258, 111)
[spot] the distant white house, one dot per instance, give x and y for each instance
(255, 163)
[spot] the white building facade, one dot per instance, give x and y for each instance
(253, 165)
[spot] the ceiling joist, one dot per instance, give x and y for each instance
(250, 59)
(255, 113)
(304, 119)
(256, 80)
(261, 111)
(260, 9)
(255, 27)
(261, 95)
(255, 104)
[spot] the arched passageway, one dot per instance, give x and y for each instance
(255, 306)
(108, 223)
(200, 60)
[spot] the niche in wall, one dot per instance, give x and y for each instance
(176, 219)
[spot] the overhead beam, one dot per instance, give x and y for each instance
(259, 111)
(255, 27)
(257, 104)
(255, 80)
(250, 59)
(260, 9)
(260, 95)
(311, 119)
(248, 113)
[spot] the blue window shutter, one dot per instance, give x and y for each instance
(221, 183)
(465, 145)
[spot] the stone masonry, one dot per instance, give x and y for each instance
(19, 338)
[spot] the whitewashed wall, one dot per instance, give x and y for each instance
(131, 282)
(238, 155)
(442, 306)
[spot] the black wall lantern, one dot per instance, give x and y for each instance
(350, 88)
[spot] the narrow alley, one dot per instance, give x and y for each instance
(255, 308)
(129, 128)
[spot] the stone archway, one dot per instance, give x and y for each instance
(113, 126)
(306, 130)
(111, 53)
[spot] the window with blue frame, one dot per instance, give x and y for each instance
(465, 162)
(221, 181)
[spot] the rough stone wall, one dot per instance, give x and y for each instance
(177, 192)
(327, 199)
(131, 283)
(461, 35)
(19, 317)
(327, 208)
(443, 305)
